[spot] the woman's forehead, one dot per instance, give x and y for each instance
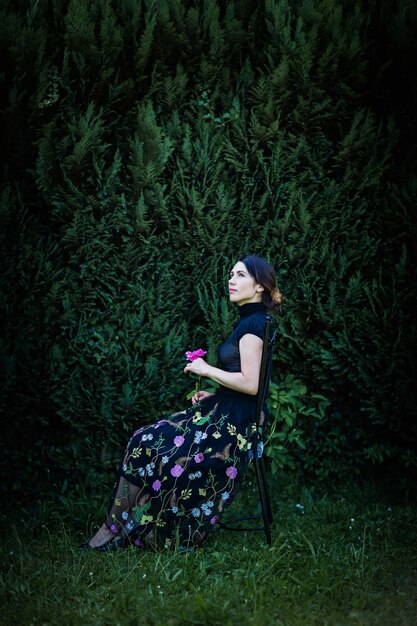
(239, 267)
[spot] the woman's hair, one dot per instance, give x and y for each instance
(264, 274)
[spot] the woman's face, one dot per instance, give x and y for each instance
(242, 287)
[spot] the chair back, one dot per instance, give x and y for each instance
(265, 373)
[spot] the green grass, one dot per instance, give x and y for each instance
(348, 559)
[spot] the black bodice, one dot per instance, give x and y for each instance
(251, 321)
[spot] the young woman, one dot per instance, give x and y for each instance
(178, 475)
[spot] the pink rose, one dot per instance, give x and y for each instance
(179, 441)
(156, 485)
(231, 472)
(197, 354)
(199, 457)
(177, 471)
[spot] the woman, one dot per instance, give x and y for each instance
(178, 475)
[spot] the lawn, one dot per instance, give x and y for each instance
(349, 558)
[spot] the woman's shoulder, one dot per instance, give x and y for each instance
(252, 324)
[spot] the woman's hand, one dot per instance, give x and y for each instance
(200, 395)
(199, 367)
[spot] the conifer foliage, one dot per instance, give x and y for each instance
(147, 145)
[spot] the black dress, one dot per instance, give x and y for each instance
(179, 474)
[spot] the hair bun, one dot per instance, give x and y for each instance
(276, 296)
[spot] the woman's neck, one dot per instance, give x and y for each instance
(251, 307)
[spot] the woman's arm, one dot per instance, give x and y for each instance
(247, 380)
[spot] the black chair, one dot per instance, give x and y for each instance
(257, 441)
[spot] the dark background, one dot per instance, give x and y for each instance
(148, 144)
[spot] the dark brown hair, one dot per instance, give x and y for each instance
(264, 274)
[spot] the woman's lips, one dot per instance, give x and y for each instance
(232, 290)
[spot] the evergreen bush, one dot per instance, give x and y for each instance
(147, 145)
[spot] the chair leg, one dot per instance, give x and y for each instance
(266, 489)
(262, 488)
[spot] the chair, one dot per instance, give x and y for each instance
(257, 443)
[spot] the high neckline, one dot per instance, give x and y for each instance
(250, 308)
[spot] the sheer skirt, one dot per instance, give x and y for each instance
(179, 475)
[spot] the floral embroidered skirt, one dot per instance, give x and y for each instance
(179, 474)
